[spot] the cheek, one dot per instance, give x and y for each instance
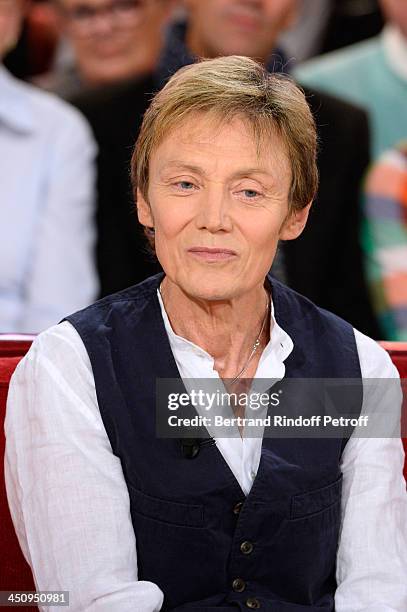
(3, 30)
(277, 12)
(84, 48)
(262, 231)
(171, 220)
(172, 215)
(133, 39)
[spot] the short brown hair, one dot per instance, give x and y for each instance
(228, 87)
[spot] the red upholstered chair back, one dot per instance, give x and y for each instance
(398, 354)
(15, 573)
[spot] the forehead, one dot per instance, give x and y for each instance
(217, 145)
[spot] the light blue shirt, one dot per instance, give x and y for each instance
(367, 74)
(47, 197)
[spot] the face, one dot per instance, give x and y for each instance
(114, 39)
(11, 15)
(238, 27)
(396, 13)
(218, 206)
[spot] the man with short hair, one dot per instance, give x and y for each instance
(111, 40)
(325, 263)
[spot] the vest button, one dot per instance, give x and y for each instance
(238, 585)
(246, 547)
(237, 507)
(252, 603)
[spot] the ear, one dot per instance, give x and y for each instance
(294, 223)
(144, 210)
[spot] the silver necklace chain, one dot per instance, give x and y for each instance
(255, 347)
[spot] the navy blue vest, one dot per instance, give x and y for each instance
(199, 538)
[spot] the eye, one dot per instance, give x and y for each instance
(251, 194)
(185, 185)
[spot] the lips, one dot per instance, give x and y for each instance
(212, 253)
(244, 19)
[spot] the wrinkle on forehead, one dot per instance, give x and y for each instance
(207, 148)
(203, 128)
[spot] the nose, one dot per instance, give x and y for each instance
(102, 24)
(214, 212)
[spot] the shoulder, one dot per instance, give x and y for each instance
(327, 107)
(58, 348)
(51, 113)
(135, 298)
(304, 316)
(122, 103)
(337, 64)
(375, 362)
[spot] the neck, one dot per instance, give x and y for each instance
(395, 46)
(226, 329)
(199, 47)
(196, 45)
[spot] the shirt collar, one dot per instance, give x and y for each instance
(395, 50)
(176, 54)
(15, 109)
(279, 346)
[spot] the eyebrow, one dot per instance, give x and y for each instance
(182, 166)
(196, 169)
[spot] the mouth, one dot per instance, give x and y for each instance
(212, 254)
(244, 20)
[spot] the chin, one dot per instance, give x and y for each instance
(214, 290)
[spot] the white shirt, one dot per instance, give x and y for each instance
(47, 193)
(70, 504)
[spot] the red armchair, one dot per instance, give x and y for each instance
(15, 574)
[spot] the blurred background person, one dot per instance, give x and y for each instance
(46, 200)
(385, 240)
(105, 41)
(325, 264)
(373, 74)
(34, 52)
(325, 25)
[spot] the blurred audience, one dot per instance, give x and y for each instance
(325, 25)
(34, 52)
(373, 74)
(46, 200)
(325, 264)
(351, 21)
(386, 240)
(111, 40)
(304, 39)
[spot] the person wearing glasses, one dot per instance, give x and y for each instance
(109, 41)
